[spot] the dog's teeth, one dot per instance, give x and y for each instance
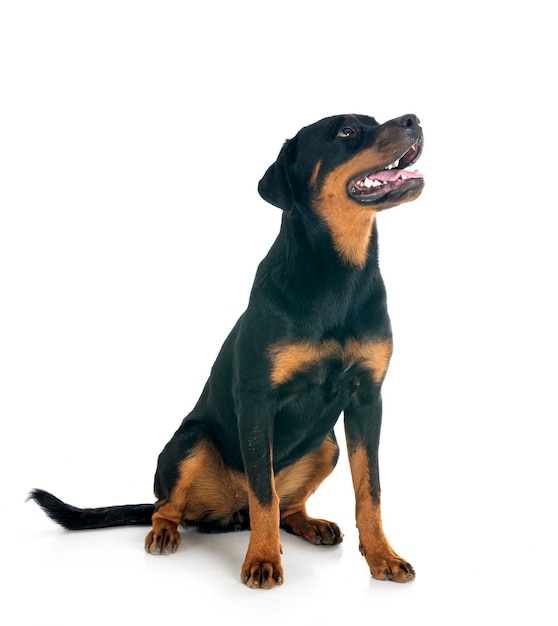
(368, 183)
(403, 177)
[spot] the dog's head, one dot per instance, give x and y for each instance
(346, 168)
(349, 158)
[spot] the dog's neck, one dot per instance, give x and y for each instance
(304, 270)
(349, 224)
(334, 243)
(305, 258)
(351, 238)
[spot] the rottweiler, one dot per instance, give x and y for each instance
(315, 341)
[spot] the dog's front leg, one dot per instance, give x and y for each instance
(362, 427)
(262, 567)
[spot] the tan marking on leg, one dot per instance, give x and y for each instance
(209, 486)
(384, 562)
(374, 354)
(262, 567)
(164, 537)
(206, 488)
(296, 483)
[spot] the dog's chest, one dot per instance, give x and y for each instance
(328, 366)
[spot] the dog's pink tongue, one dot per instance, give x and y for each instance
(391, 175)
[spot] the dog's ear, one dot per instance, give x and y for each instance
(276, 186)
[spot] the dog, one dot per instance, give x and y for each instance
(315, 341)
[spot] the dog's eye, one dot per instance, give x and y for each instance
(346, 131)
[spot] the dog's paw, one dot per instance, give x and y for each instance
(316, 531)
(262, 574)
(387, 565)
(162, 540)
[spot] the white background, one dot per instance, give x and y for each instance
(132, 139)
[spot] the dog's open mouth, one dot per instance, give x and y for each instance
(394, 177)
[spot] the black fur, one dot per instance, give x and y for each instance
(72, 518)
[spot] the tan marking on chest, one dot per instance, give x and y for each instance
(375, 355)
(295, 358)
(286, 361)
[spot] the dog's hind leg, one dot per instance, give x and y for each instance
(197, 490)
(164, 537)
(296, 483)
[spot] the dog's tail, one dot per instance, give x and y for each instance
(72, 518)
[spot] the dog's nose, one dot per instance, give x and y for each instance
(408, 121)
